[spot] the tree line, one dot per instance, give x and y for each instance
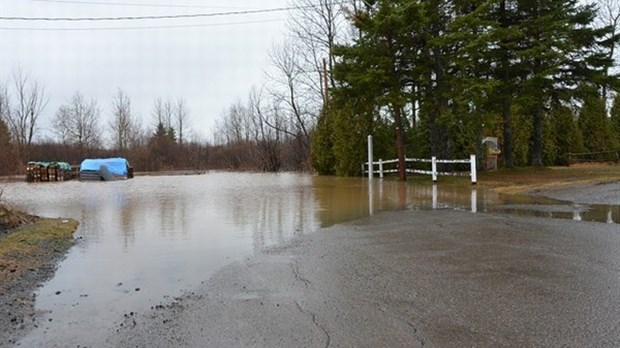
(248, 137)
(425, 78)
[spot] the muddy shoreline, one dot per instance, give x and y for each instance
(18, 315)
(17, 301)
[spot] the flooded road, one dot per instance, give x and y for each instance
(149, 239)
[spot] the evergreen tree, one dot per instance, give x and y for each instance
(522, 131)
(444, 73)
(594, 125)
(378, 65)
(7, 159)
(557, 51)
(615, 121)
(323, 159)
(566, 135)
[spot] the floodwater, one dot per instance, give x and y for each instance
(147, 240)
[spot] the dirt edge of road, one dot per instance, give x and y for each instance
(30, 250)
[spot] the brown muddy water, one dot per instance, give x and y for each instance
(145, 241)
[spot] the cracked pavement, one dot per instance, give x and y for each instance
(408, 279)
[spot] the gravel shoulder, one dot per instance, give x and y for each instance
(407, 279)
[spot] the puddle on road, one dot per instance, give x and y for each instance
(342, 200)
(149, 239)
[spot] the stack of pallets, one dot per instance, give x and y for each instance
(47, 171)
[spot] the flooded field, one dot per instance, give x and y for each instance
(148, 240)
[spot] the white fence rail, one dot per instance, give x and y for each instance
(369, 167)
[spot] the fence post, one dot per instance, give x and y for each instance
(474, 173)
(370, 164)
(434, 168)
(381, 168)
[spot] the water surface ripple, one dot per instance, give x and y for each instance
(145, 240)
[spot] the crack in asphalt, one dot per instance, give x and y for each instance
(416, 333)
(316, 323)
(298, 275)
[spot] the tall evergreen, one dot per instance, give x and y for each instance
(615, 120)
(594, 125)
(378, 64)
(321, 152)
(558, 50)
(7, 160)
(566, 135)
(446, 73)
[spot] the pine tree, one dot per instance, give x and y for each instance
(615, 121)
(377, 67)
(557, 50)
(322, 154)
(566, 135)
(594, 125)
(7, 160)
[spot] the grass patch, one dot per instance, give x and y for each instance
(32, 245)
(521, 180)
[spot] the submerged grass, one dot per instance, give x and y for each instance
(518, 180)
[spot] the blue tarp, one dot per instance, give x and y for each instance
(114, 166)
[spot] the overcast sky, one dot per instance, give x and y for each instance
(208, 61)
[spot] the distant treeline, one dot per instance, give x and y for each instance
(156, 153)
(425, 78)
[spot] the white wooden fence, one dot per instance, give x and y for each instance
(369, 167)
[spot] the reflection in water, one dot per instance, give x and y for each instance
(474, 200)
(152, 237)
(576, 213)
(395, 195)
(156, 236)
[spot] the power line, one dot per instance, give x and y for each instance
(149, 27)
(132, 4)
(128, 18)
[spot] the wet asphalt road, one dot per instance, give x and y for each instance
(407, 279)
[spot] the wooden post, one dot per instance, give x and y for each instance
(381, 168)
(434, 168)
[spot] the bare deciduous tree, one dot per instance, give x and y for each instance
(77, 123)
(123, 124)
(286, 80)
(316, 24)
(22, 116)
(181, 113)
(268, 138)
